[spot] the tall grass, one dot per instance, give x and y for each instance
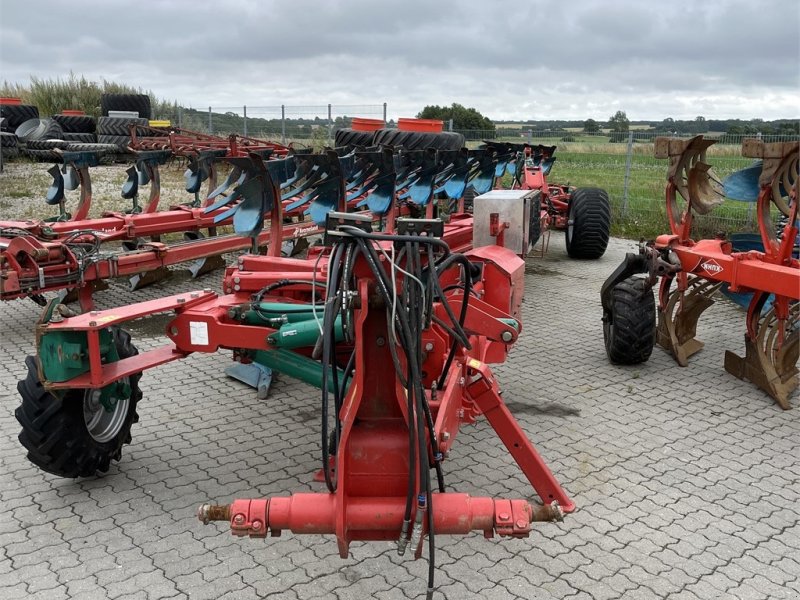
(51, 96)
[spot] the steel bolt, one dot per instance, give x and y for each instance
(207, 290)
(380, 340)
(237, 287)
(503, 516)
(239, 519)
(181, 300)
(194, 295)
(257, 525)
(428, 346)
(522, 524)
(445, 436)
(236, 280)
(92, 323)
(506, 336)
(94, 313)
(173, 330)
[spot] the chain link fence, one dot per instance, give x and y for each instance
(622, 163)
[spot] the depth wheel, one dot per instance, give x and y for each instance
(629, 329)
(588, 224)
(77, 433)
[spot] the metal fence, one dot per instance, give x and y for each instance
(284, 123)
(621, 163)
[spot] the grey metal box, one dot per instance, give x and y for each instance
(515, 207)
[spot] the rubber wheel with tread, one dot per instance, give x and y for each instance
(42, 155)
(351, 137)
(139, 103)
(16, 114)
(8, 140)
(45, 144)
(76, 123)
(92, 147)
(629, 329)
(589, 223)
(535, 229)
(54, 429)
(121, 141)
(39, 129)
(82, 138)
(118, 125)
(419, 140)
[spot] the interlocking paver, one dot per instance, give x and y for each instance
(686, 480)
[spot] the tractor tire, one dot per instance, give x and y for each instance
(39, 129)
(92, 147)
(418, 140)
(42, 155)
(630, 328)
(589, 223)
(62, 435)
(10, 152)
(76, 123)
(139, 103)
(351, 137)
(118, 125)
(81, 138)
(8, 140)
(45, 144)
(120, 141)
(16, 114)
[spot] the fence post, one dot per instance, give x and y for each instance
(283, 124)
(384, 113)
(245, 120)
(330, 126)
(180, 116)
(450, 125)
(210, 122)
(628, 160)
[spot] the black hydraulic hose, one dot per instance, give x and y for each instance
(356, 232)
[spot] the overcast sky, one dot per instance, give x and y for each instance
(511, 60)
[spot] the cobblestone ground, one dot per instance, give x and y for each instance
(687, 480)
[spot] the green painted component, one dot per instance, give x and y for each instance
(511, 323)
(287, 312)
(65, 354)
(302, 334)
(295, 365)
(113, 393)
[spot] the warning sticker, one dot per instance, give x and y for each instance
(198, 333)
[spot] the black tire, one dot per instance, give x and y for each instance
(16, 114)
(39, 129)
(535, 228)
(589, 223)
(629, 329)
(82, 138)
(42, 155)
(121, 141)
(118, 125)
(8, 140)
(419, 140)
(54, 429)
(45, 144)
(76, 123)
(12, 152)
(351, 137)
(92, 147)
(139, 103)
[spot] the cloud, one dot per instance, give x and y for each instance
(520, 60)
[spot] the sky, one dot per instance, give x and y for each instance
(517, 60)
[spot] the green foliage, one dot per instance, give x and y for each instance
(591, 126)
(619, 122)
(51, 96)
(463, 118)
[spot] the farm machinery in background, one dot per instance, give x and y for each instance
(66, 252)
(384, 292)
(770, 275)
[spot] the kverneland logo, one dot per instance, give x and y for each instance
(711, 266)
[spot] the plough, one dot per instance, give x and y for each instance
(700, 267)
(584, 214)
(414, 294)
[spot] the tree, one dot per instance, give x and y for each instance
(591, 126)
(619, 122)
(463, 117)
